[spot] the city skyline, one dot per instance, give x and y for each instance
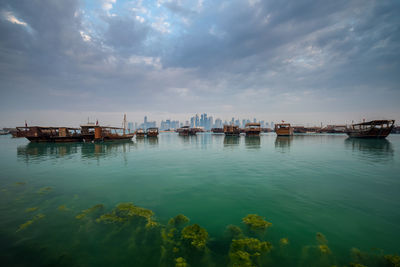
(304, 62)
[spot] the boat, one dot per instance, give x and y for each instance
(283, 129)
(140, 133)
(371, 129)
(152, 132)
(186, 131)
(231, 130)
(51, 134)
(217, 130)
(97, 133)
(253, 129)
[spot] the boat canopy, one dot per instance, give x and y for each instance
(375, 122)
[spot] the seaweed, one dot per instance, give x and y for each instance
(180, 262)
(256, 222)
(20, 183)
(234, 232)
(178, 220)
(321, 239)
(392, 260)
(284, 241)
(247, 251)
(31, 209)
(197, 235)
(126, 211)
(62, 208)
(45, 190)
(28, 223)
(88, 211)
(352, 264)
(324, 249)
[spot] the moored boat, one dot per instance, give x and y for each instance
(51, 134)
(253, 129)
(217, 130)
(186, 131)
(140, 133)
(97, 133)
(231, 130)
(371, 129)
(152, 132)
(283, 129)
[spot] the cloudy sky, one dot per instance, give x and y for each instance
(301, 61)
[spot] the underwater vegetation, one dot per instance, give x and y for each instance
(132, 232)
(247, 251)
(197, 235)
(256, 222)
(28, 223)
(87, 211)
(45, 190)
(284, 241)
(126, 211)
(178, 220)
(180, 262)
(20, 183)
(31, 209)
(392, 260)
(62, 208)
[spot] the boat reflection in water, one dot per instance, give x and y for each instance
(376, 150)
(252, 142)
(231, 141)
(282, 143)
(37, 152)
(41, 151)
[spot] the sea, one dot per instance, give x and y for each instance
(205, 200)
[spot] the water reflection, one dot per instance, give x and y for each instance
(231, 141)
(106, 149)
(375, 150)
(252, 142)
(282, 143)
(41, 151)
(38, 151)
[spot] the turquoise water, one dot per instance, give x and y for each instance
(348, 190)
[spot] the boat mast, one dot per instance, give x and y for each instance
(124, 123)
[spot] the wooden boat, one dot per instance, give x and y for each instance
(186, 131)
(97, 133)
(152, 132)
(51, 134)
(371, 129)
(253, 129)
(217, 130)
(231, 130)
(140, 133)
(283, 129)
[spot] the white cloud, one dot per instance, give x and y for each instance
(142, 60)
(140, 19)
(11, 18)
(108, 4)
(85, 36)
(161, 25)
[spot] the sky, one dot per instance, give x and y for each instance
(303, 61)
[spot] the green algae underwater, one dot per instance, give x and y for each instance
(50, 222)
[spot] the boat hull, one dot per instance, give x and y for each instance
(370, 134)
(58, 139)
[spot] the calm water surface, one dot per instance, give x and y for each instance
(348, 190)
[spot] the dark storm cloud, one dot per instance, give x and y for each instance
(200, 54)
